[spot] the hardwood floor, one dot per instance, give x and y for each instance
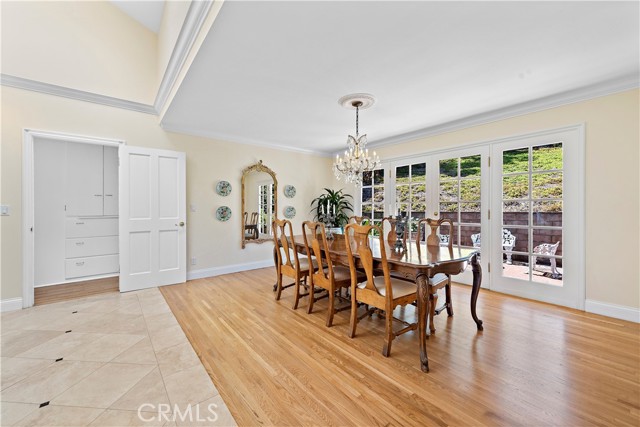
(534, 364)
(57, 293)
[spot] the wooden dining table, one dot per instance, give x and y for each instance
(417, 262)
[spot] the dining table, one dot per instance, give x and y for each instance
(417, 262)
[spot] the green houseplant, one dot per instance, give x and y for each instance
(332, 205)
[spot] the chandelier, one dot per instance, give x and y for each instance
(356, 158)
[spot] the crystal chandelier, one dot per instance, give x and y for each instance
(356, 158)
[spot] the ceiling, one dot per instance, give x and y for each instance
(270, 73)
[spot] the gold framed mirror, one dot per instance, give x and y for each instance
(259, 203)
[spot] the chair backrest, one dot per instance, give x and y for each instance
(283, 238)
(358, 239)
(476, 240)
(315, 240)
(356, 219)
(254, 218)
(435, 237)
(508, 239)
(389, 223)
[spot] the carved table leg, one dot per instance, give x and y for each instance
(477, 280)
(423, 312)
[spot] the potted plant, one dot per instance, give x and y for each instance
(332, 208)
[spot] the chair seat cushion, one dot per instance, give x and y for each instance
(343, 274)
(304, 263)
(400, 288)
(438, 279)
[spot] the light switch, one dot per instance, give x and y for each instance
(192, 207)
(4, 210)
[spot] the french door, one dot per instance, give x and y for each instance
(452, 184)
(538, 220)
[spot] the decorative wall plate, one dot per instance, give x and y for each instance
(223, 213)
(289, 191)
(289, 212)
(223, 188)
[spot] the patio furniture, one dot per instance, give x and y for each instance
(508, 242)
(549, 250)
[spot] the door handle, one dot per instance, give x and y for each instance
(181, 224)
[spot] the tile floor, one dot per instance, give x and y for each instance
(108, 360)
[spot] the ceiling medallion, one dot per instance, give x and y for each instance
(356, 158)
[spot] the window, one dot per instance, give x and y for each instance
(372, 196)
(459, 197)
(532, 199)
(411, 193)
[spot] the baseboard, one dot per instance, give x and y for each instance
(613, 310)
(10, 304)
(227, 269)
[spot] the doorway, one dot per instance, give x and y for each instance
(87, 234)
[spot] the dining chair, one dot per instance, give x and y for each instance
(381, 292)
(389, 223)
(287, 261)
(254, 218)
(354, 219)
(332, 278)
(440, 280)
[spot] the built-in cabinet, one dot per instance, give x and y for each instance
(76, 211)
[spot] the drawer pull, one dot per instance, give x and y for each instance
(109, 195)
(80, 263)
(79, 243)
(79, 223)
(98, 195)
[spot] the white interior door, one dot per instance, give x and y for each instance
(152, 218)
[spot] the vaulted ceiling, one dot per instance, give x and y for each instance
(272, 72)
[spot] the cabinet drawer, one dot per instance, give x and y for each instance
(91, 227)
(91, 266)
(91, 246)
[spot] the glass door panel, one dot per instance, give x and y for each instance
(461, 195)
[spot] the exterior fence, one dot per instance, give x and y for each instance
(522, 239)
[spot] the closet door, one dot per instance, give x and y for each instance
(153, 235)
(110, 181)
(84, 179)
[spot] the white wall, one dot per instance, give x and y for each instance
(214, 243)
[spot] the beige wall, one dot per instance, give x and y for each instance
(86, 45)
(214, 243)
(612, 183)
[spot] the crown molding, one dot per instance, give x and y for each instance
(80, 95)
(193, 21)
(244, 141)
(620, 84)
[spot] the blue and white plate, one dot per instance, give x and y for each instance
(223, 188)
(289, 191)
(289, 212)
(223, 213)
